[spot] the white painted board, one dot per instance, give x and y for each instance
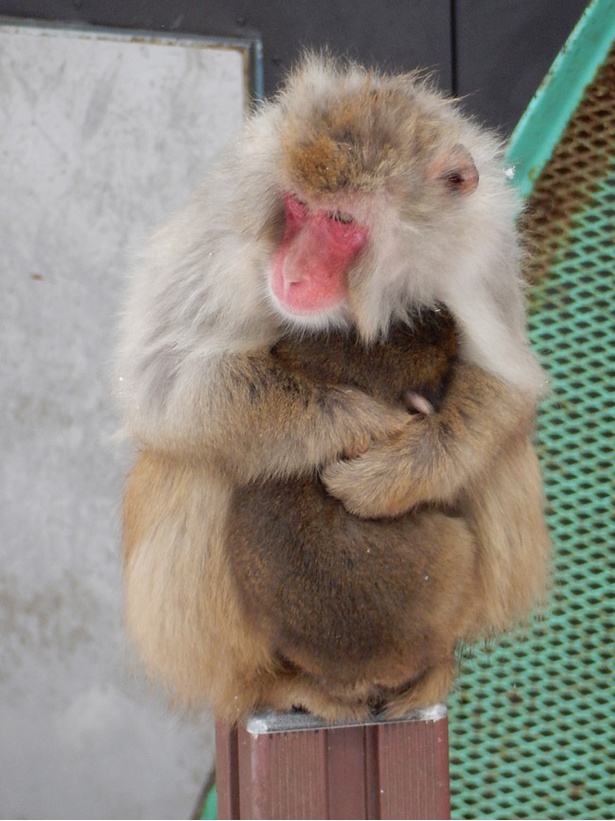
(101, 136)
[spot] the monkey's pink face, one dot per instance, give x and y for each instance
(309, 271)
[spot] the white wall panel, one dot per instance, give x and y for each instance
(100, 137)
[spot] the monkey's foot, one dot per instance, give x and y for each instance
(431, 687)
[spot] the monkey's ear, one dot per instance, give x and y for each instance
(455, 169)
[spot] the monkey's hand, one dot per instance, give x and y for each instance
(436, 456)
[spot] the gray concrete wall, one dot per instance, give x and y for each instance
(100, 138)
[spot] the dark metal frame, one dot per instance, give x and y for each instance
(494, 51)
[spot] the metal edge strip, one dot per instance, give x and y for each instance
(270, 721)
(543, 122)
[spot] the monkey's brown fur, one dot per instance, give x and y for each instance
(218, 410)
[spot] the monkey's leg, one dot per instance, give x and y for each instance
(506, 512)
(182, 608)
(437, 455)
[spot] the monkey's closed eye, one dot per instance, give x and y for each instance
(293, 201)
(453, 178)
(340, 216)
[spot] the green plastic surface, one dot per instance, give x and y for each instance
(210, 807)
(532, 724)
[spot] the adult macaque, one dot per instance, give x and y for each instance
(346, 212)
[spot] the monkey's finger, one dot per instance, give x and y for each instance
(418, 403)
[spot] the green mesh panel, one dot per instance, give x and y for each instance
(532, 724)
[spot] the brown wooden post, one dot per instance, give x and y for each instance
(293, 766)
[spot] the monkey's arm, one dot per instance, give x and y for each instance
(437, 456)
(256, 420)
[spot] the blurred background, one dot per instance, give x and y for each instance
(110, 113)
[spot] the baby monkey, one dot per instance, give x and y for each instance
(359, 614)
